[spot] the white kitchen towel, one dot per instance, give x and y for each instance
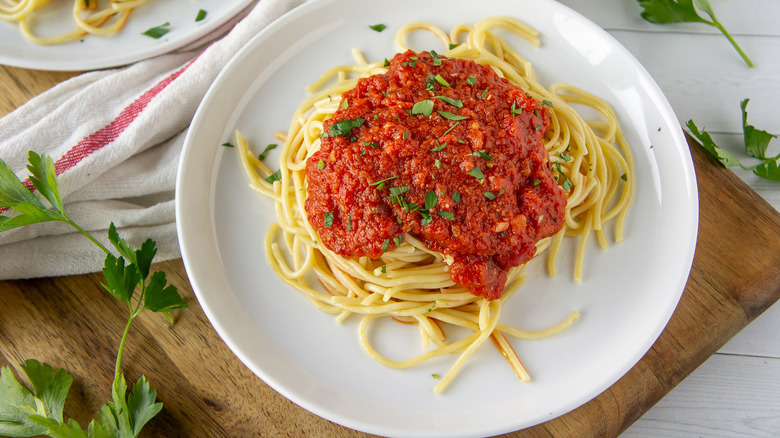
(115, 137)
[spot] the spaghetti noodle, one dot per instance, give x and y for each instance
(409, 281)
(87, 15)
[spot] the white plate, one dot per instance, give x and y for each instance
(628, 294)
(129, 45)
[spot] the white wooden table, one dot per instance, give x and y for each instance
(736, 393)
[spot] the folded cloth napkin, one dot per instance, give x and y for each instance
(115, 137)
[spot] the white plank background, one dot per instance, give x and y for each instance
(736, 393)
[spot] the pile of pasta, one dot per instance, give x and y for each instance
(88, 16)
(412, 284)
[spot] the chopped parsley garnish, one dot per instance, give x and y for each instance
(201, 15)
(228, 145)
(565, 157)
(438, 147)
(158, 31)
(537, 127)
(471, 80)
(378, 27)
(431, 200)
(547, 102)
(424, 107)
(436, 59)
(456, 196)
(373, 144)
(387, 63)
(267, 149)
(537, 182)
(328, 219)
(398, 239)
(567, 184)
(385, 245)
(457, 103)
(450, 116)
(349, 222)
(384, 269)
(406, 135)
(453, 45)
(481, 153)
(320, 164)
(491, 195)
(344, 104)
(624, 177)
(516, 111)
(276, 176)
(484, 92)
(446, 215)
(381, 183)
(476, 172)
(451, 128)
(344, 127)
(441, 81)
(437, 163)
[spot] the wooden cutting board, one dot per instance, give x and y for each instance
(71, 323)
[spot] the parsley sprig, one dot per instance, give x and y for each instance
(30, 413)
(756, 144)
(684, 11)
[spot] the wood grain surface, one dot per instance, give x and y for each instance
(70, 322)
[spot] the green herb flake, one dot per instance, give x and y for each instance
(453, 45)
(276, 176)
(158, 31)
(382, 181)
(437, 163)
(201, 15)
(548, 103)
(398, 239)
(457, 103)
(431, 200)
(320, 165)
(624, 177)
(385, 245)
(456, 197)
(484, 155)
(442, 81)
(484, 92)
(387, 63)
(328, 217)
(516, 111)
(228, 145)
(451, 128)
(267, 149)
(476, 172)
(424, 107)
(446, 215)
(378, 27)
(384, 269)
(406, 135)
(436, 375)
(471, 80)
(436, 58)
(450, 116)
(490, 195)
(438, 146)
(344, 104)
(344, 127)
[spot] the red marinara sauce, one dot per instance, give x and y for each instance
(444, 149)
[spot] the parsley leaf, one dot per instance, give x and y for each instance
(19, 407)
(344, 127)
(424, 107)
(476, 172)
(683, 11)
(158, 31)
(457, 103)
(201, 15)
(276, 176)
(450, 116)
(378, 27)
